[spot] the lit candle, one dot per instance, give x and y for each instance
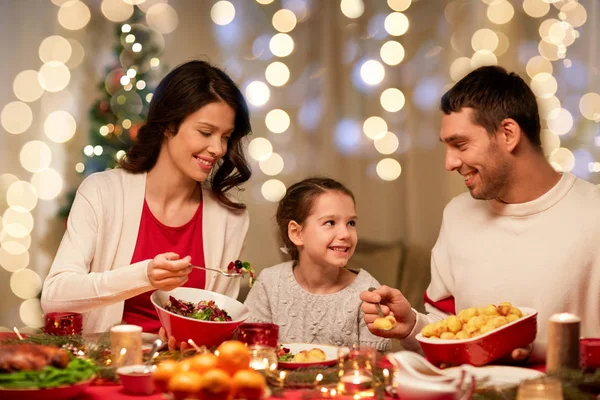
(355, 383)
(563, 342)
(126, 345)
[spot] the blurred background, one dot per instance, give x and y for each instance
(348, 89)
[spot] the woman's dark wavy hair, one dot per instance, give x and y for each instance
(182, 92)
(298, 202)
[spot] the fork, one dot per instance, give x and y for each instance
(228, 274)
(377, 305)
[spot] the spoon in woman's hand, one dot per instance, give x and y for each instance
(157, 343)
(383, 323)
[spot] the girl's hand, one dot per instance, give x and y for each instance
(392, 301)
(166, 271)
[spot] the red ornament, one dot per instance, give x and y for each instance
(103, 106)
(133, 131)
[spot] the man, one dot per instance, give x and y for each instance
(526, 233)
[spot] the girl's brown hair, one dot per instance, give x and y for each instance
(298, 202)
(182, 92)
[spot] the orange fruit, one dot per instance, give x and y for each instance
(233, 356)
(185, 365)
(185, 384)
(163, 373)
(202, 362)
(216, 385)
(248, 384)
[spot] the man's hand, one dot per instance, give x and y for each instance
(167, 272)
(392, 301)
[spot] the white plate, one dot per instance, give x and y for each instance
(498, 375)
(331, 355)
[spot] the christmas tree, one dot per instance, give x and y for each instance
(125, 93)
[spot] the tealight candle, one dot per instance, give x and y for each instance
(563, 342)
(540, 389)
(126, 345)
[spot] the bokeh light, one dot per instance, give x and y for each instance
(74, 15)
(21, 194)
(272, 165)
(483, 58)
(77, 54)
(277, 121)
(222, 12)
(31, 313)
(392, 100)
(375, 127)
(54, 76)
(372, 72)
(16, 117)
(116, 10)
(560, 121)
(260, 148)
(17, 221)
(460, 68)
(589, 105)
(35, 156)
(388, 169)
(392, 52)
(352, 8)
(387, 144)
(537, 65)
(60, 126)
(47, 183)
(484, 39)
(536, 8)
(277, 73)
(281, 45)
(55, 48)
(25, 283)
(284, 20)
(564, 158)
(27, 87)
(544, 85)
(273, 190)
(257, 93)
(399, 5)
(500, 12)
(396, 24)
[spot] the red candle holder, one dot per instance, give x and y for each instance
(261, 340)
(63, 323)
(258, 334)
(589, 353)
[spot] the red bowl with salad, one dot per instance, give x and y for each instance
(208, 318)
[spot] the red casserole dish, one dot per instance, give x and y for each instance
(485, 348)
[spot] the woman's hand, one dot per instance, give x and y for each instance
(167, 272)
(162, 333)
(393, 301)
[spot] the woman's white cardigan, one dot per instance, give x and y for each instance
(91, 272)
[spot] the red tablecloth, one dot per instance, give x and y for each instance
(115, 392)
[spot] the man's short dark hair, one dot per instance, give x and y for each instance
(495, 94)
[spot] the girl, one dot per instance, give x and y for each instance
(138, 228)
(314, 298)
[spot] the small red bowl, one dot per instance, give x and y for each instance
(203, 333)
(483, 349)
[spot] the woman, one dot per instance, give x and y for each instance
(140, 227)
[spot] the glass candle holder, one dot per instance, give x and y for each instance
(356, 371)
(261, 340)
(63, 323)
(125, 345)
(540, 389)
(589, 353)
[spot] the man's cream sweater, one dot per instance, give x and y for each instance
(543, 254)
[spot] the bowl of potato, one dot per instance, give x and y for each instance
(479, 335)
